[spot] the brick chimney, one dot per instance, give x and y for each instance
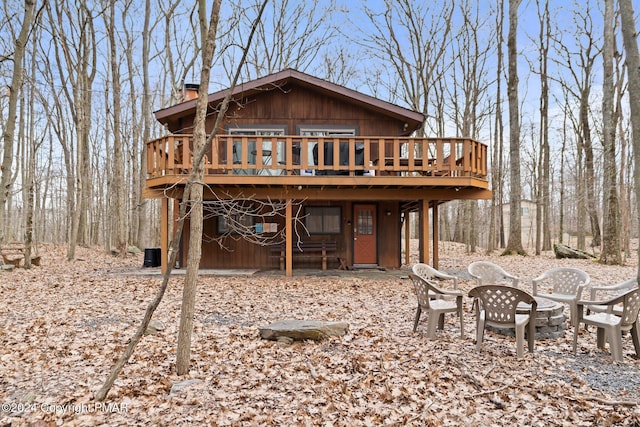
(190, 91)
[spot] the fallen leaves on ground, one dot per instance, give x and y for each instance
(63, 325)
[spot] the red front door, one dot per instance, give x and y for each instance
(365, 250)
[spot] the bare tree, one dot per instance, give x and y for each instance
(60, 127)
(562, 176)
(411, 39)
(611, 253)
(198, 161)
(626, 175)
(543, 217)
(587, 145)
(195, 187)
(496, 224)
(6, 175)
(75, 55)
(468, 92)
(133, 137)
(33, 144)
(178, 66)
(629, 31)
(514, 245)
(118, 211)
(576, 82)
(293, 35)
(142, 239)
(142, 205)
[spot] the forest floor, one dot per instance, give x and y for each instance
(64, 324)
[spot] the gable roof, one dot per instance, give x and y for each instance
(412, 118)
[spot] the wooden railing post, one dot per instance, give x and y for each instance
(215, 154)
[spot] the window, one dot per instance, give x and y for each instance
(327, 131)
(236, 223)
(323, 220)
(524, 211)
(249, 130)
(365, 222)
(262, 131)
(331, 131)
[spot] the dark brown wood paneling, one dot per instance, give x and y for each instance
(294, 105)
(244, 254)
(389, 235)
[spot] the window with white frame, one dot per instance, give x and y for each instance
(250, 130)
(258, 131)
(327, 131)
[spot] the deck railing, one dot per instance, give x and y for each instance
(296, 155)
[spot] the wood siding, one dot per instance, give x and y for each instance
(244, 254)
(293, 105)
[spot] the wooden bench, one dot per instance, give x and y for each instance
(13, 254)
(306, 249)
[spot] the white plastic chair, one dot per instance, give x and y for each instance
(496, 306)
(435, 308)
(488, 273)
(611, 326)
(567, 286)
(425, 271)
(608, 292)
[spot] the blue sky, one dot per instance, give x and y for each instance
(355, 26)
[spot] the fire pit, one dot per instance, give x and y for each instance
(551, 322)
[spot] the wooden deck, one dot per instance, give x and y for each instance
(315, 161)
(394, 175)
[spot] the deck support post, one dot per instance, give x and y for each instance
(288, 231)
(164, 235)
(407, 238)
(436, 235)
(424, 231)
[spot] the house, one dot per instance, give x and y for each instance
(341, 165)
(527, 221)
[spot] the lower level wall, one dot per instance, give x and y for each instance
(234, 251)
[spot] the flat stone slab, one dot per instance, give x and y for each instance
(154, 327)
(178, 387)
(301, 330)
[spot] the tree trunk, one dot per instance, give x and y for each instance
(30, 173)
(76, 59)
(629, 32)
(142, 239)
(562, 154)
(624, 190)
(581, 195)
(514, 245)
(6, 178)
(118, 159)
(611, 253)
(136, 143)
(543, 229)
(183, 352)
(208, 37)
(589, 170)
